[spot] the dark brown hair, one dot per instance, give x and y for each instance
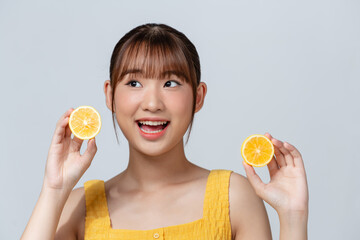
(156, 49)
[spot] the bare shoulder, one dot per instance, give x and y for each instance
(72, 220)
(246, 209)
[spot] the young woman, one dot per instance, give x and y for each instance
(153, 92)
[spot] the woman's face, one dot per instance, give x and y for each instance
(155, 101)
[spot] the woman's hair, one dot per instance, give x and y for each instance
(156, 49)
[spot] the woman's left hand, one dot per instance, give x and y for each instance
(287, 191)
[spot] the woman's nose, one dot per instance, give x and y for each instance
(152, 100)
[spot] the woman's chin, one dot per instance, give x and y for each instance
(154, 149)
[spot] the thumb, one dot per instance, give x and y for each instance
(254, 179)
(90, 152)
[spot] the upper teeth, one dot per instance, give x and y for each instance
(153, 123)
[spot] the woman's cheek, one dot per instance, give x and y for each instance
(182, 104)
(126, 101)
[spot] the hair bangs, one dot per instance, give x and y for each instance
(154, 59)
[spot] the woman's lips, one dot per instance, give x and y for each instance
(152, 135)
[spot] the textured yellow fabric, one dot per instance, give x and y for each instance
(215, 224)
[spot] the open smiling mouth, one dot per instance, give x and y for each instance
(152, 126)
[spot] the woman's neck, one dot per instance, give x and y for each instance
(148, 173)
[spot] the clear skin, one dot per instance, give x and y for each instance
(160, 168)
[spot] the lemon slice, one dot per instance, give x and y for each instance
(257, 150)
(85, 122)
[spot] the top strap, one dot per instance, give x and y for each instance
(96, 205)
(216, 202)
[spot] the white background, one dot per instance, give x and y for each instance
(291, 68)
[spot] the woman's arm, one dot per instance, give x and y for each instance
(287, 191)
(46, 215)
(248, 216)
(64, 167)
(293, 226)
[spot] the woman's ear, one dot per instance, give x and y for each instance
(108, 94)
(200, 96)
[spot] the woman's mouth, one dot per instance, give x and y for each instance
(152, 127)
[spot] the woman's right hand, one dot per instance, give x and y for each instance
(65, 165)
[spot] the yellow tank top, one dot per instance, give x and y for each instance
(215, 223)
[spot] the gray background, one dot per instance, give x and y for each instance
(288, 67)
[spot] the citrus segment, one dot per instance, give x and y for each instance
(257, 150)
(85, 122)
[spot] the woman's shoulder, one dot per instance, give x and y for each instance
(240, 191)
(245, 206)
(72, 219)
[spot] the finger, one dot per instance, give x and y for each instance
(268, 135)
(67, 132)
(273, 167)
(280, 160)
(254, 179)
(90, 152)
(298, 161)
(75, 145)
(59, 133)
(289, 160)
(67, 113)
(61, 126)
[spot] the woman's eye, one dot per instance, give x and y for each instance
(133, 83)
(168, 83)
